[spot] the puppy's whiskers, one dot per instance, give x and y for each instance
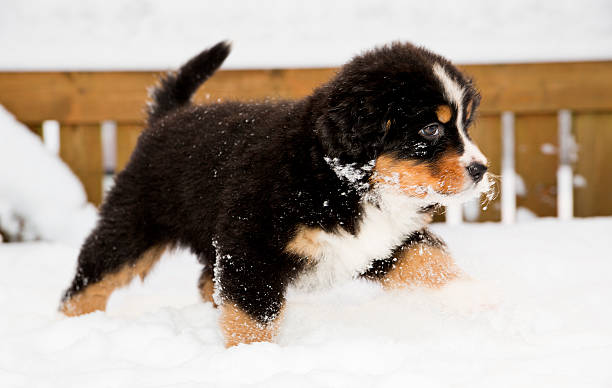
(492, 191)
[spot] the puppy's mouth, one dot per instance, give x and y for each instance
(447, 182)
(430, 194)
(484, 189)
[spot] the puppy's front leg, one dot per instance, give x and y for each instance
(422, 260)
(250, 289)
(241, 327)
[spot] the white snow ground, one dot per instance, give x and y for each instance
(538, 315)
(160, 34)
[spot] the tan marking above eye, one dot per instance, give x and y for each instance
(468, 110)
(387, 125)
(444, 113)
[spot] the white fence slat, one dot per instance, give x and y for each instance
(508, 178)
(565, 176)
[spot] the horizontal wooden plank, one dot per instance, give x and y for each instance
(82, 97)
(544, 87)
(75, 98)
(88, 97)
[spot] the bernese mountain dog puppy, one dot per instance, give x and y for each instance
(332, 187)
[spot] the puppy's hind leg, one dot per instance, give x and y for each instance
(206, 286)
(115, 252)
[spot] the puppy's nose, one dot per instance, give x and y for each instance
(477, 171)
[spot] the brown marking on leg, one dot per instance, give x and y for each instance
(207, 287)
(94, 296)
(421, 265)
(305, 243)
(240, 328)
(446, 176)
(147, 260)
(444, 113)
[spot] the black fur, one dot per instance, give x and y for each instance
(232, 181)
(176, 89)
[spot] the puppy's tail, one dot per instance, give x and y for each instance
(175, 89)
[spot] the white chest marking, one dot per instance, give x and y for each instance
(340, 256)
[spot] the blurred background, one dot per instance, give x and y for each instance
(75, 74)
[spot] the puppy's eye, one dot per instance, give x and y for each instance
(432, 131)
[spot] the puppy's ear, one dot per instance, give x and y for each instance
(471, 102)
(471, 106)
(349, 123)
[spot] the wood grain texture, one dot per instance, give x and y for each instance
(593, 133)
(486, 133)
(538, 169)
(89, 97)
(80, 97)
(76, 98)
(544, 87)
(81, 149)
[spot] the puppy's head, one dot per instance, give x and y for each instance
(409, 111)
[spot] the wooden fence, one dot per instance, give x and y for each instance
(533, 93)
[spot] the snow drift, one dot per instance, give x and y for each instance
(40, 198)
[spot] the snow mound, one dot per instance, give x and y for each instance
(536, 314)
(40, 198)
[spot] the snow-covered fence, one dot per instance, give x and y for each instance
(547, 127)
